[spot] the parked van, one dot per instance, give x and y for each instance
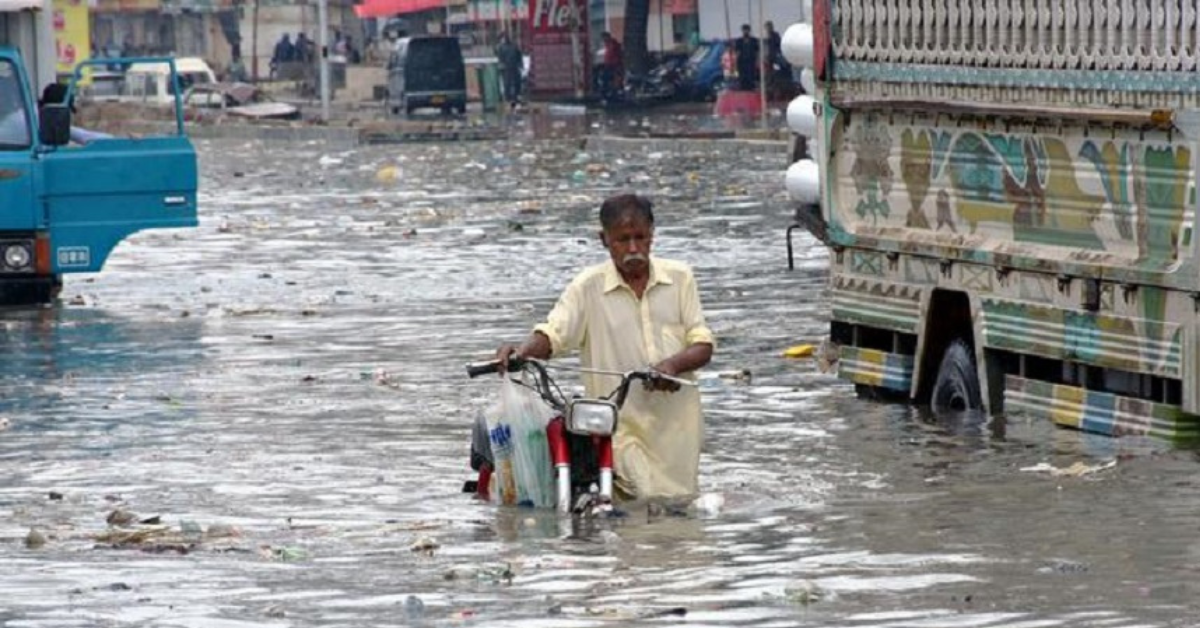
(427, 71)
(151, 82)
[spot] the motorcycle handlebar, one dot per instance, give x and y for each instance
(477, 369)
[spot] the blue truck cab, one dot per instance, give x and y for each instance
(64, 207)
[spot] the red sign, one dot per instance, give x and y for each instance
(680, 7)
(558, 43)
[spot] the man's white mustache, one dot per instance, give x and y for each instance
(634, 257)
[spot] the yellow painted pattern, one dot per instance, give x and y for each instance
(1068, 406)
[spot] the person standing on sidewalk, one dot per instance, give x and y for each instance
(511, 62)
(747, 59)
(612, 70)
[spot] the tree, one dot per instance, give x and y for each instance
(637, 23)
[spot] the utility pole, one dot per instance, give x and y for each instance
(763, 71)
(576, 53)
(323, 52)
(254, 43)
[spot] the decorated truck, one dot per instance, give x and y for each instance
(1008, 189)
(65, 206)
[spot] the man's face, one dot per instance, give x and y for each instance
(628, 243)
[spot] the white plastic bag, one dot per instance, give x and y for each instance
(523, 471)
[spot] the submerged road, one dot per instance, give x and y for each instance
(279, 396)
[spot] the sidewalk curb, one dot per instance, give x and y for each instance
(742, 146)
(353, 137)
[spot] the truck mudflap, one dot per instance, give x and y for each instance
(98, 194)
(1099, 412)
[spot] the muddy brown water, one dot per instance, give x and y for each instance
(291, 372)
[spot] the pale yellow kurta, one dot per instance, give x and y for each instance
(659, 434)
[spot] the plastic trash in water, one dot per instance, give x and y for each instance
(799, 351)
(709, 504)
(388, 174)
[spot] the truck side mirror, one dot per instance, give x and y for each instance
(54, 125)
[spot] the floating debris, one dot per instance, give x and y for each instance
(799, 351)
(35, 539)
(1078, 469)
(121, 518)
(284, 554)
(739, 375)
(388, 174)
(804, 593)
(709, 504)
(424, 544)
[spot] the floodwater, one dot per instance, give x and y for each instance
(283, 387)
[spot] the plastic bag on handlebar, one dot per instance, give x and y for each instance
(523, 471)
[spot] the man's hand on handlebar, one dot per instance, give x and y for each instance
(504, 354)
(537, 346)
(662, 384)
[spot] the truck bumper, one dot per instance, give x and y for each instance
(29, 290)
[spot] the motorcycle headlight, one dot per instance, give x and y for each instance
(592, 416)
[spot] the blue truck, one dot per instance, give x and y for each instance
(65, 207)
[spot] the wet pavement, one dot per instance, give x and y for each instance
(283, 388)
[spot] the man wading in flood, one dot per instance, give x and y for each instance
(629, 312)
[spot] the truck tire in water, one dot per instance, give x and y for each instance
(956, 388)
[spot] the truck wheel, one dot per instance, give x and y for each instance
(956, 388)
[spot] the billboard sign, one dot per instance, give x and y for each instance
(72, 40)
(558, 42)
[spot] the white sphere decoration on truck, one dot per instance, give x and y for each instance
(802, 116)
(804, 181)
(798, 45)
(808, 81)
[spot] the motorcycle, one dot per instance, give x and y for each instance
(662, 83)
(579, 436)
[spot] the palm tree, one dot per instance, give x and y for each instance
(637, 22)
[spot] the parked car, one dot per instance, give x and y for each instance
(703, 77)
(238, 99)
(151, 82)
(426, 71)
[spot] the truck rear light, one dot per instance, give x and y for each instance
(804, 182)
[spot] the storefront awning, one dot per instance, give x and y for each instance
(19, 5)
(388, 8)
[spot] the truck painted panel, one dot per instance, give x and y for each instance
(1098, 412)
(1108, 202)
(876, 368)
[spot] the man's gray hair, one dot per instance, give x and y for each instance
(617, 206)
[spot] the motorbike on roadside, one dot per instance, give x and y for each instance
(579, 435)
